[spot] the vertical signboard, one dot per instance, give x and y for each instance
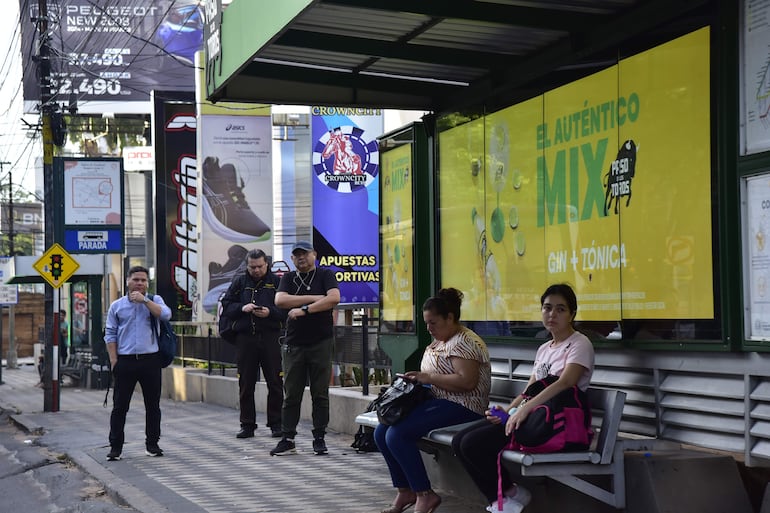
(235, 151)
(397, 234)
(237, 202)
(212, 39)
(176, 200)
(91, 210)
(346, 198)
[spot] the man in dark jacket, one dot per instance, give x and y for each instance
(250, 303)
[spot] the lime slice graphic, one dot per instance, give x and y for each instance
(521, 243)
(498, 225)
(513, 217)
(517, 178)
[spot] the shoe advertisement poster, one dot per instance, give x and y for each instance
(346, 198)
(113, 55)
(604, 183)
(236, 174)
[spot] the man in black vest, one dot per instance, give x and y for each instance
(250, 303)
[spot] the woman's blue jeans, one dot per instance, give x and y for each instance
(398, 443)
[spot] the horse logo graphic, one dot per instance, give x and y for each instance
(339, 146)
(344, 160)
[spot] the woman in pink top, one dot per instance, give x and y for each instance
(456, 366)
(568, 355)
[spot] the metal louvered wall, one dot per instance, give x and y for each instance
(717, 401)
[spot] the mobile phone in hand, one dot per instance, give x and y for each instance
(500, 414)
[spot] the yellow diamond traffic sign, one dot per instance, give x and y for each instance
(56, 266)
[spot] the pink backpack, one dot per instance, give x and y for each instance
(562, 423)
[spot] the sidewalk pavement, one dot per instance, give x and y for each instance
(205, 468)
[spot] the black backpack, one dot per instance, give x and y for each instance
(226, 328)
(363, 440)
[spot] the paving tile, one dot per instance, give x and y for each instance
(205, 469)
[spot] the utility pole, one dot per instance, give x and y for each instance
(11, 356)
(10, 207)
(51, 367)
(11, 232)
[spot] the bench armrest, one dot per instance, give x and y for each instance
(528, 459)
(368, 419)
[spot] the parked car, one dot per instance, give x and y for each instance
(279, 268)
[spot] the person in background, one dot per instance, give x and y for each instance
(456, 365)
(310, 294)
(133, 349)
(569, 355)
(64, 331)
(250, 303)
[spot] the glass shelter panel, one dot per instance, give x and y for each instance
(605, 184)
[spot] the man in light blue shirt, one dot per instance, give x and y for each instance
(132, 344)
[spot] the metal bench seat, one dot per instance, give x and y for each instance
(605, 458)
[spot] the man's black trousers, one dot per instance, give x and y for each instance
(255, 351)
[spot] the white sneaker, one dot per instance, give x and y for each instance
(522, 496)
(513, 504)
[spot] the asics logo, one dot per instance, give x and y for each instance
(182, 122)
(235, 128)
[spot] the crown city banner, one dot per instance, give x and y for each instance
(346, 198)
(604, 183)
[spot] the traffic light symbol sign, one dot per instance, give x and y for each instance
(56, 266)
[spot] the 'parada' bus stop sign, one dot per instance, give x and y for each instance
(56, 266)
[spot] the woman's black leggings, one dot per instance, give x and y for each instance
(477, 448)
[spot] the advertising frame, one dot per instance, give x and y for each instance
(756, 256)
(703, 327)
(109, 58)
(397, 234)
(345, 185)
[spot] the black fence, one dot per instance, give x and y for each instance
(355, 344)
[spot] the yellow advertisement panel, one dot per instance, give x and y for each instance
(666, 223)
(579, 138)
(397, 231)
(603, 183)
(462, 211)
(515, 266)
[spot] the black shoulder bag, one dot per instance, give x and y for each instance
(400, 399)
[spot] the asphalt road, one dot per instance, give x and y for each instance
(34, 479)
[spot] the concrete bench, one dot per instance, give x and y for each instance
(604, 458)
